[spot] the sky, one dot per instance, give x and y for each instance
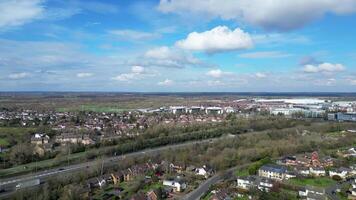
(178, 45)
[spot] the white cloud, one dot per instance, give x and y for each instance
(170, 57)
(217, 73)
(265, 54)
(133, 35)
(219, 39)
(166, 82)
(269, 14)
(137, 69)
(19, 75)
(84, 75)
(323, 68)
(18, 12)
(260, 75)
(136, 73)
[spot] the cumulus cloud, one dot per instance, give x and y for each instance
(269, 14)
(136, 73)
(323, 68)
(84, 75)
(217, 73)
(170, 57)
(265, 54)
(219, 39)
(20, 75)
(19, 12)
(133, 35)
(166, 82)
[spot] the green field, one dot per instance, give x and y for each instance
(318, 182)
(242, 172)
(94, 108)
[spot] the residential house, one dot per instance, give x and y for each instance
(204, 171)
(304, 171)
(317, 171)
(177, 184)
(342, 172)
(248, 182)
(312, 193)
(288, 160)
(265, 184)
(275, 172)
(176, 168)
(65, 138)
(39, 139)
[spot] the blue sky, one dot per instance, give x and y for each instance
(178, 45)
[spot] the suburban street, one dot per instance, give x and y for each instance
(204, 187)
(331, 191)
(8, 184)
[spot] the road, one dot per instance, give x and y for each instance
(205, 186)
(9, 184)
(331, 191)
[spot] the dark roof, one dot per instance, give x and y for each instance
(274, 168)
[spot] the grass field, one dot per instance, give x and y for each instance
(242, 172)
(318, 182)
(94, 108)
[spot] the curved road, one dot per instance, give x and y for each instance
(205, 186)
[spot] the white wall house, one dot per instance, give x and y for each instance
(243, 183)
(312, 193)
(342, 172)
(275, 172)
(317, 171)
(249, 182)
(177, 185)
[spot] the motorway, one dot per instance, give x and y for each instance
(8, 184)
